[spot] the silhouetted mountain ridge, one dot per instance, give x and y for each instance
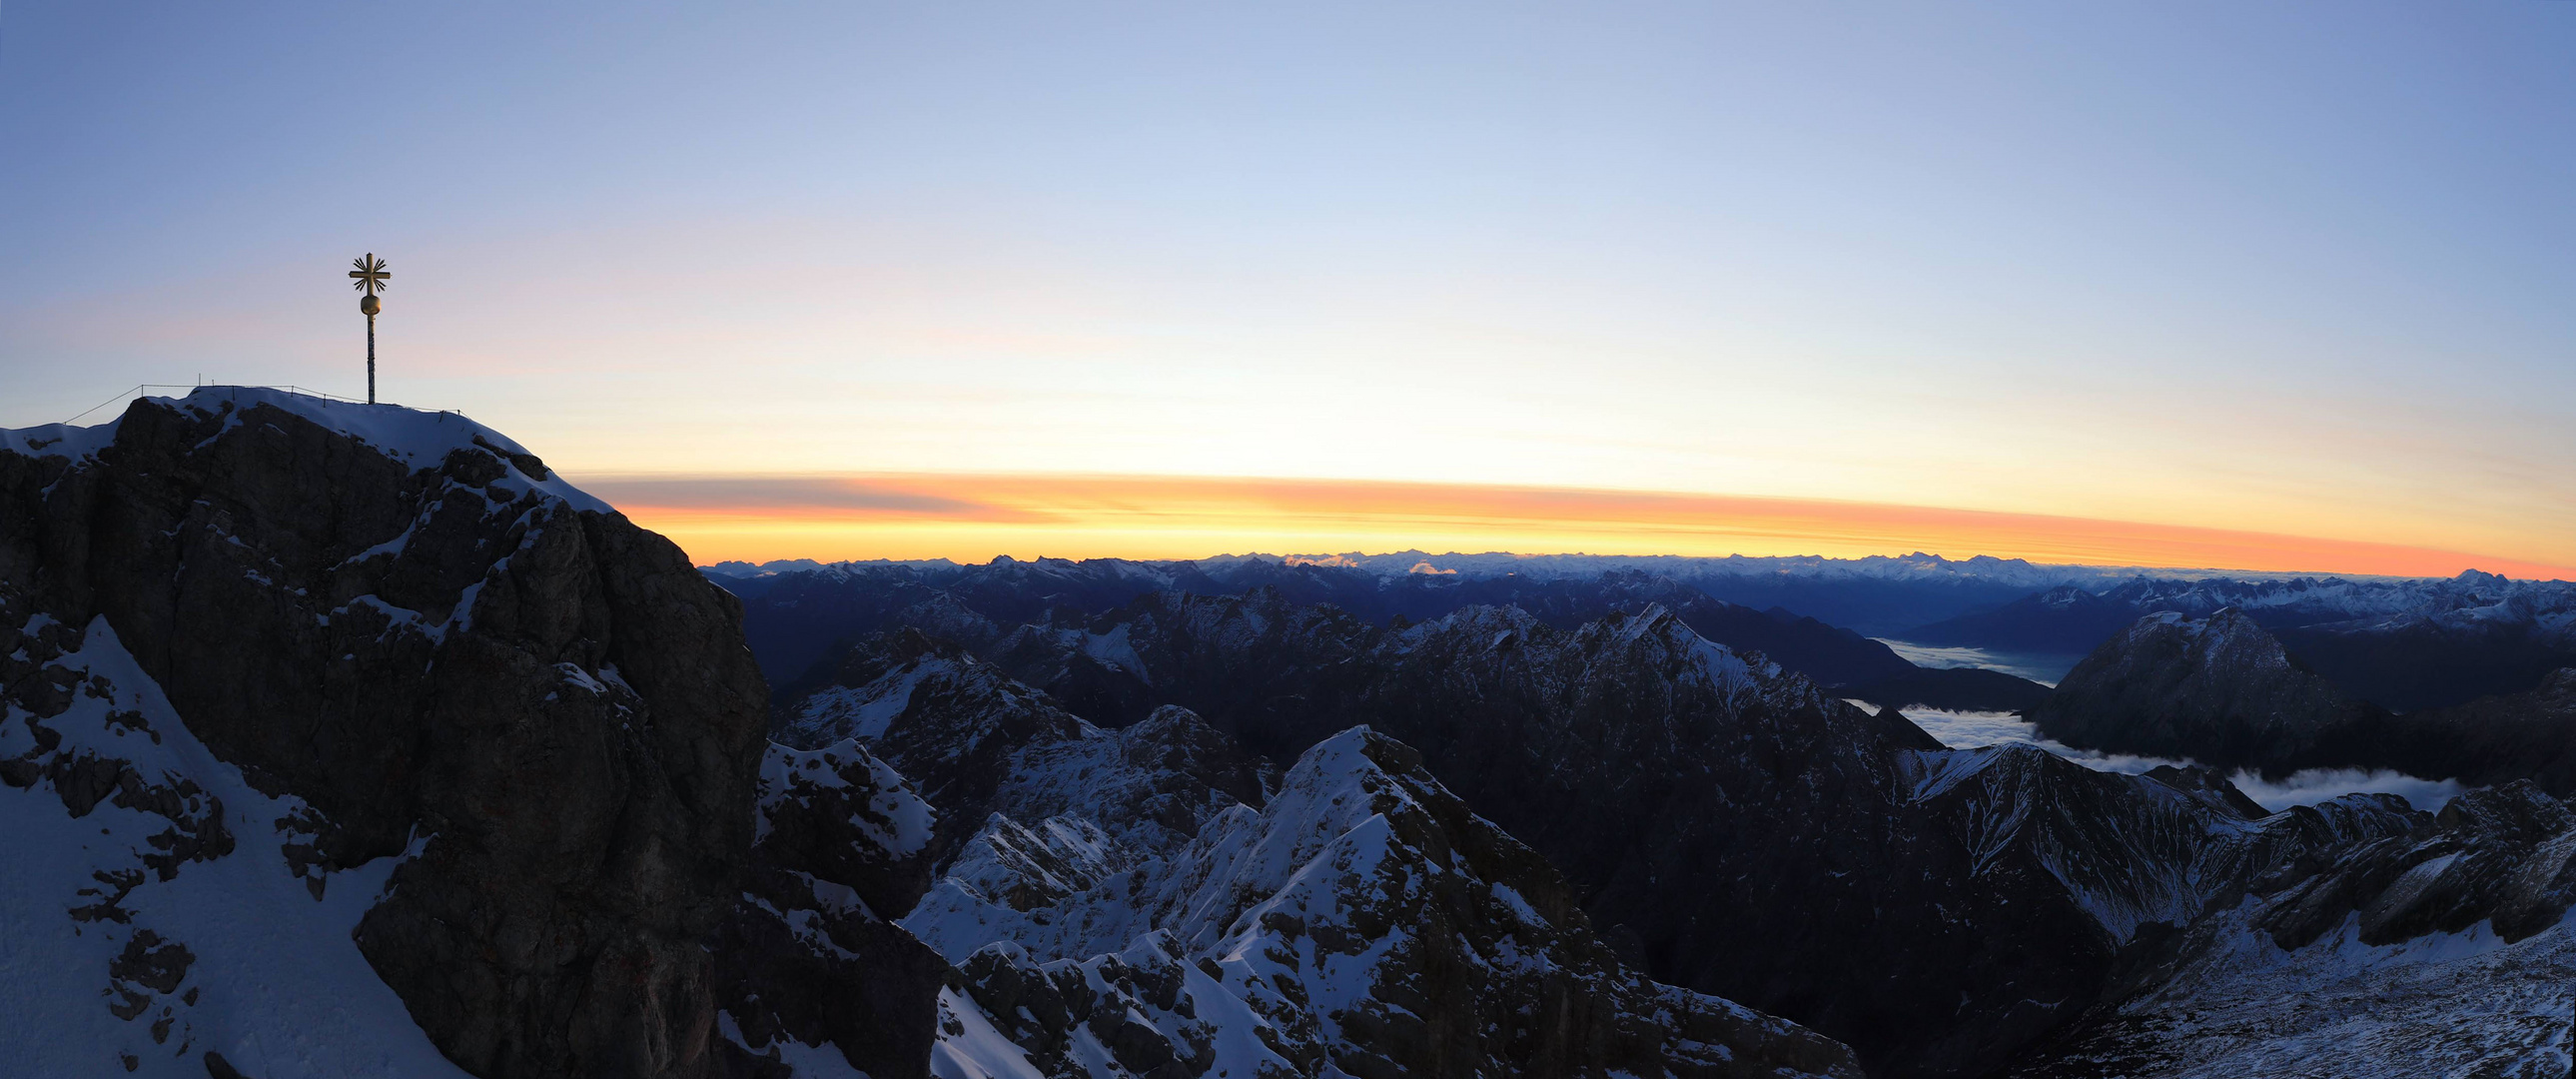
(797, 617)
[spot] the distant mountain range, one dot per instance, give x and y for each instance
(794, 617)
(2402, 644)
(1874, 596)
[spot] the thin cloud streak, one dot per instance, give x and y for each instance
(753, 495)
(977, 516)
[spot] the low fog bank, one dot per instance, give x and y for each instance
(1968, 730)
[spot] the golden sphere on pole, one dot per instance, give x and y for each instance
(367, 305)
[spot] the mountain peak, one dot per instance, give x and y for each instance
(2218, 689)
(416, 438)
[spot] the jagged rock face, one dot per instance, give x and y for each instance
(1956, 910)
(2128, 851)
(412, 642)
(810, 962)
(1150, 900)
(2368, 941)
(945, 720)
(2218, 690)
(1362, 922)
(979, 743)
(2499, 856)
(1384, 930)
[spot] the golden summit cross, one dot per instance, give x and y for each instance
(371, 276)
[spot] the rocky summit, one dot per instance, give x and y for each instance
(351, 740)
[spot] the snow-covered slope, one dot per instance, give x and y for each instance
(1363, 921)
(410, 437)
(151, 913)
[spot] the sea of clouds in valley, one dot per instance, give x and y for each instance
(1966, 730)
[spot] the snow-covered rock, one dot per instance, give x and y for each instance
(1949, 910)
(1149, 900)
(811, 973)
(1360, 922)
(2372, 943)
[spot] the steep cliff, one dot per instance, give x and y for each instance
(383, 664)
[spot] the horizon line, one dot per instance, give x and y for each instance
(1327, 558)
(972, 517)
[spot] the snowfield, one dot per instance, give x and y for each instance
(121, 956)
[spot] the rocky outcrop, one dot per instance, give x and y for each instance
(423, 653)
(2218, 690)
(2211, 787)
(2363, 941)
(1150, 900)
(2505, 857)
(811, 965)
(1363, 921)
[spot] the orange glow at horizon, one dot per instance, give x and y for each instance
(974, 517)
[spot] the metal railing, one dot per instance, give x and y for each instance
(142, 386)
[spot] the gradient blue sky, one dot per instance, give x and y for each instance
(2289, 268)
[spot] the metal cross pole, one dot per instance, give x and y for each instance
(371, 275)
